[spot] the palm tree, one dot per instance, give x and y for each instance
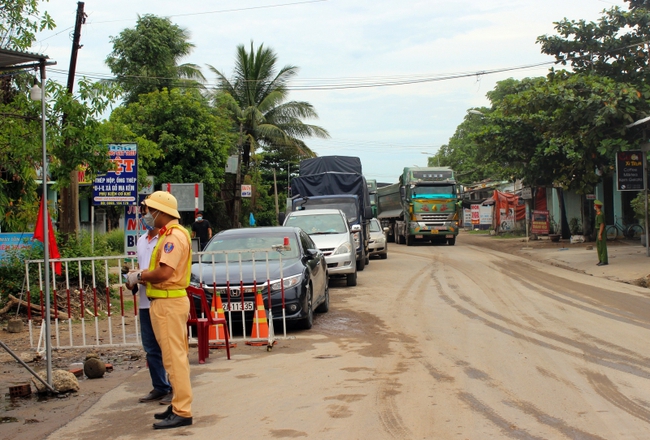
(258, 103)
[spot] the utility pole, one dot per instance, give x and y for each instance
(237, 202)
(275, 190)
(69, 218)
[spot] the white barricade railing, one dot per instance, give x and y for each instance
(227, 280)
(78, 285)
(79, 282)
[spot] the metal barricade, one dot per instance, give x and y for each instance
(79, 282)
(83, 279)
(228, 280)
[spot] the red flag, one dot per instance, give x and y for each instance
(40, 236)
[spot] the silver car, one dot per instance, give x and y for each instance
(378, 243)
(328, 228)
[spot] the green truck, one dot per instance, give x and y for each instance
(422, 206)
(372, 192)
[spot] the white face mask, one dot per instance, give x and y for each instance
(150, 220)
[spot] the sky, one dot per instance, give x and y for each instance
(350, 54)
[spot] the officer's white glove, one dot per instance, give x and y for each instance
(132, 278)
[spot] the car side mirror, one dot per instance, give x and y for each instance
(281, 217)
(355, 228)
(386, 229)
(367, 212)
(312, 253)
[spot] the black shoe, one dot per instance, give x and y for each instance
(153, 395)
(173, 421)
(163, 415)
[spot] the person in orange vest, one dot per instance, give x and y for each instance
(166, 279)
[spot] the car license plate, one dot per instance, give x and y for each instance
(449, 236)
(418, 236)
(236, 306)
(434, 231)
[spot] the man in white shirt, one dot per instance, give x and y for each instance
(161, 387)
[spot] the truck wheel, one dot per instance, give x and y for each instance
(352, 279)
(451, 241)
(409, 240)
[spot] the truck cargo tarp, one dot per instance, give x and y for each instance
(329, 184)
(317, 165)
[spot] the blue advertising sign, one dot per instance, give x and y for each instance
(133, 227)
(13, 241)
(119, 186)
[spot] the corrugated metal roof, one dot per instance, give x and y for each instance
(14, 59)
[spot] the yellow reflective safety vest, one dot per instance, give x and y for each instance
(153, 292)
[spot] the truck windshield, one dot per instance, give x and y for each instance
(346, 205)
(437, 190)
(318, 223)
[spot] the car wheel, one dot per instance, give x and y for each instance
(384, 255)
(324, 307)
(352, 279)
(308, 322)
(409, 240)
(451, 241)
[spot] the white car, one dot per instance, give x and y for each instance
(378, 244)
(329, 230)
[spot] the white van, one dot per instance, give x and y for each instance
(329, 230)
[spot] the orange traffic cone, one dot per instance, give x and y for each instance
(217, 333)
(260, 333)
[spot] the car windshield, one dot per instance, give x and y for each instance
(318, 223)
(375, 226)
(249, 242)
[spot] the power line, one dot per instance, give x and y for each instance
(331, 84)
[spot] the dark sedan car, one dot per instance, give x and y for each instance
(259, 258)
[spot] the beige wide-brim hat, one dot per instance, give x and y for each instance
(164, 202)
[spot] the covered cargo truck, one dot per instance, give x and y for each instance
(320, 185)
(422, 206)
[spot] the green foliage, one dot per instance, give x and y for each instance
(615, 46)
(462, 153)
(638, 206)
(558, 130)
(575, 226)
(19, 22)
(12, 268)
(21, 142)
(188, 141)
(145, 59)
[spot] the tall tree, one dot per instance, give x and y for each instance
(616, 46)
(19, 22)
(146, 58)
(559, 130)
(260, 107)
(191, 139)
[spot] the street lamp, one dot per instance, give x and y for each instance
(430, 154)
(37, 93)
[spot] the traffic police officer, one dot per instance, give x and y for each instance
(166, 279)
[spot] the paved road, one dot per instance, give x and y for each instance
(436, 342)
